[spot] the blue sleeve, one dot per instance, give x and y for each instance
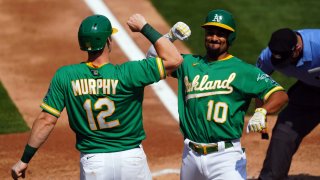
(264, 61)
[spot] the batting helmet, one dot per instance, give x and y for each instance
(94, 32)
(223, 19)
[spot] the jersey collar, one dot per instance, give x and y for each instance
(226, 58)
(90, 64)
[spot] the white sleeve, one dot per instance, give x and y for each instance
(151, 52)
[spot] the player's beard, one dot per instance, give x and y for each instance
(212, 51)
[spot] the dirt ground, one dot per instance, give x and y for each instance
(38, 37)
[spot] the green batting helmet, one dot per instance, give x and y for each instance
(223, 19)
(94, 32)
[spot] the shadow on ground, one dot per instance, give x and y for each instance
(300, 177)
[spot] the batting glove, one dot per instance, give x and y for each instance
(179, 31)
(257, 121)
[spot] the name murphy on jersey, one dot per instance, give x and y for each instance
(94, 86)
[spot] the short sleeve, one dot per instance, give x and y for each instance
(259, 84)
(143, 72)
(54, 101)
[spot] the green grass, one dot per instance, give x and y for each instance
(10, 119)
(255, 20)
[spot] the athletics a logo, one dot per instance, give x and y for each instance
(217, 18)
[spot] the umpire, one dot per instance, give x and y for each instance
(295, 54)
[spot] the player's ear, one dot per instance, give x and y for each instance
(109, 43)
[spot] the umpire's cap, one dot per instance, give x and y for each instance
(94, 32)
(282, 44)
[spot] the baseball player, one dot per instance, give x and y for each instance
(214, 92)
(104, 103)
(296, 54)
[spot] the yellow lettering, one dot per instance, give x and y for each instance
(76, 87)
(106, 86)
(114, 84)
(84, 86)
(92, 86)
(99, 85)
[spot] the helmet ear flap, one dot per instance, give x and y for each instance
(231, 37)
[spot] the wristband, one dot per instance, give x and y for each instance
(150, 33)
(28, 153)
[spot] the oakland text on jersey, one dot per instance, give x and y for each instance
(220, 86)
(94, 86)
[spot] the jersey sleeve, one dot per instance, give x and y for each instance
(259, 84)
(53, 102)
(143, 72)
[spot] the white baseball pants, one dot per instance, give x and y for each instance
(229, 163)
(124, 165)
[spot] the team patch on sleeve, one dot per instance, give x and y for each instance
(161, 68)
(277, 88)
(50, 109)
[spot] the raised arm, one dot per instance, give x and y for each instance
(165, 49)
(180, 31)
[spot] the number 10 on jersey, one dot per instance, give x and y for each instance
(217, 111)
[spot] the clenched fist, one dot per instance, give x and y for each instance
(19, 170)
(136, 22)
(179, 31)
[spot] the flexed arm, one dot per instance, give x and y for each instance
(165, 49)
(180, 31)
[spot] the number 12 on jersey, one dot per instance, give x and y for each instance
(102, 115)
(217, 111)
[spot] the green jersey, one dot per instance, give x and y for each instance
(104, 104)
(214, 96)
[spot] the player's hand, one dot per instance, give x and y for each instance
(19, 170)
(136, 22)
(258, 121)
(179, 31)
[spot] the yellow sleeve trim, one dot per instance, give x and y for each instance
(161, 68)
(277, 88)
(50, 109)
